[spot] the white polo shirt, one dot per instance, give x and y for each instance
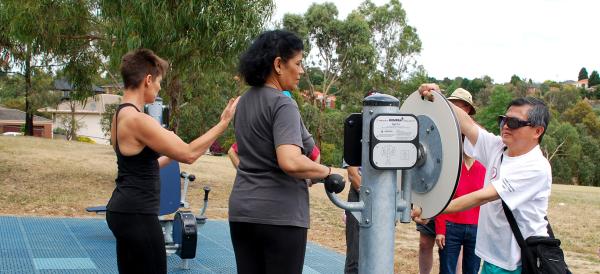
(524, 183)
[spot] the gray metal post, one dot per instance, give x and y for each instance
(378, 192)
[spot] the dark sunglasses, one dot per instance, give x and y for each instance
(512, 123)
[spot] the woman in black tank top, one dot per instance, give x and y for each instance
(139, 141)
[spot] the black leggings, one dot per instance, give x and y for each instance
(140, 242)
(268, 249)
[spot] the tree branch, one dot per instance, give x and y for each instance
(88, 37)
(555, 153)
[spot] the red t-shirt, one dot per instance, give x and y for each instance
(470, 180)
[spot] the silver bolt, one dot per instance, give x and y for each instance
(371, 111)
(367, 191)
(367, 220)
(432, 127)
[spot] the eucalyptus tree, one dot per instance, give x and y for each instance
(41, 34)
(341, 49)
(338, 45)
(200, 39)
(396, 42)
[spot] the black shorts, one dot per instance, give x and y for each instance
(428, 229)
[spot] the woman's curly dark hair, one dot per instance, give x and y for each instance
(257, 62)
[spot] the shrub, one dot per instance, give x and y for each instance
(85, 139)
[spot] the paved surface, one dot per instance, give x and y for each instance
(73, 245)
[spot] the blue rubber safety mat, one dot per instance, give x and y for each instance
(76, 245)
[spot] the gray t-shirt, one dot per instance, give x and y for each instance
(262, 193)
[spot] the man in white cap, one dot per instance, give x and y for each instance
(463, 99)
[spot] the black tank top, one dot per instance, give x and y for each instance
(138, 180)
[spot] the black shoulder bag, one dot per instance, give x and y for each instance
(539, 254)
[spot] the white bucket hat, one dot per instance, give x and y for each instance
(465, 96)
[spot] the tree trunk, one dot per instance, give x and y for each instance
(174, 93)
(28, 106)
(73, 131)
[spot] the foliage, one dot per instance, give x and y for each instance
(562, 98)
(12, 87)
(395, 42)
(583, 74)
(37, 35)
(204, 38)
(107, 117)
(582, 113)
(515, 79)
(594, 79)
(589, 173)
(373, 48)
(488, 115)
(85, 139)
(562, 148)
(412, 83)
(71, 125)
(331, 155)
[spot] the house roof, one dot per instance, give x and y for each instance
(94, 105)
(9, 114)
(119, 85)
(64, 85)
(583, 81)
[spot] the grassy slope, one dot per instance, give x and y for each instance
(44, 177)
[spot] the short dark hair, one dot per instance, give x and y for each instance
(538, 114)
(138, 63)
(257, 62)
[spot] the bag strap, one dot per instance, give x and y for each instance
(513, 225)
(511, 218)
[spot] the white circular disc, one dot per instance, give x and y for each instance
(440, 112)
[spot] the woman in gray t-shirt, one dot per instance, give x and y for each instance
(268, 206)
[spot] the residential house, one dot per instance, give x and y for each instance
(88, 115)
(64, 87)
(327, 101)
(112, 88)
(12, 120)
(583, 83)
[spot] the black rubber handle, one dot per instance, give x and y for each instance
(192, 177)
(334, 183)
(206, 191)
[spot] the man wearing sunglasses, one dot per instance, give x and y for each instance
(517, 173)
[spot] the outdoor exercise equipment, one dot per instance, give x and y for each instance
(180, 225)
(158, 111)
(418, 145)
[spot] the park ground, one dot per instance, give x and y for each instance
(42, 177)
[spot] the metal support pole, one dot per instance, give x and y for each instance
(378, 191)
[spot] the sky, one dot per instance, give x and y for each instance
(534, 39)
